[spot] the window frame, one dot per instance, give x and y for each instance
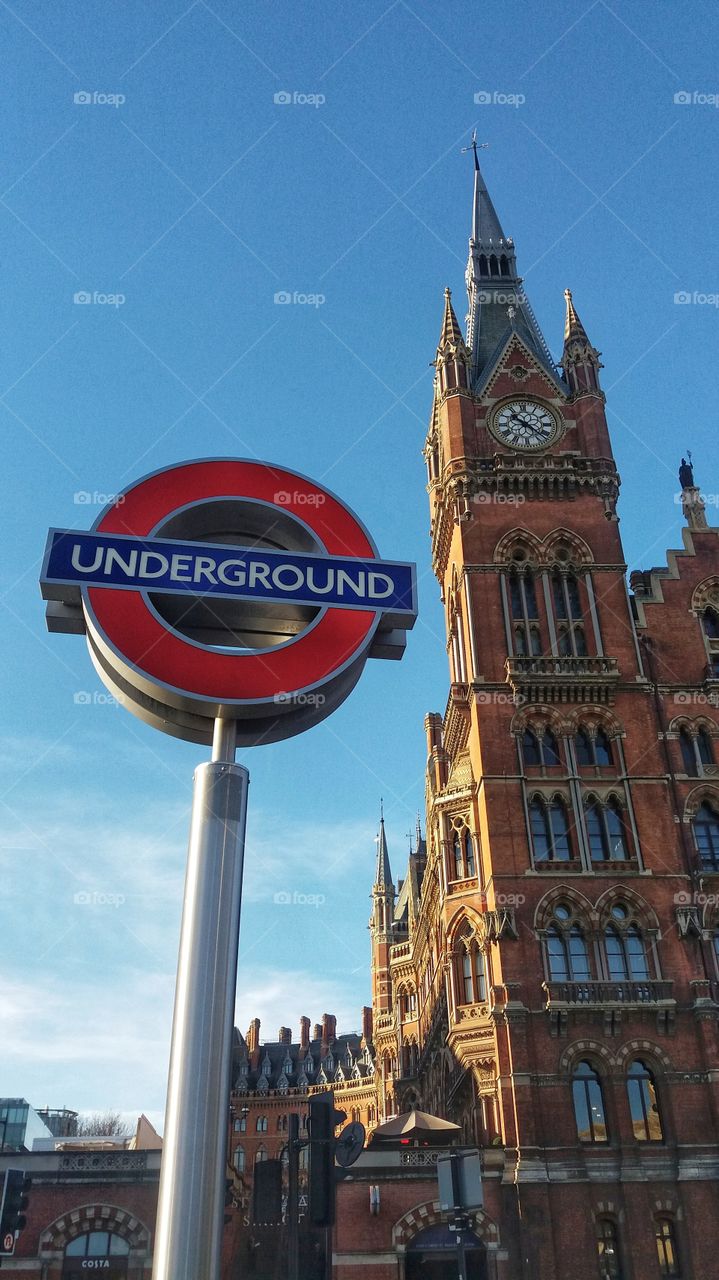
(588, 1084)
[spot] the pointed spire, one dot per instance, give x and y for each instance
(494, 285)
(573, 327)
(580, 360)
(451, 332)
(383, 879)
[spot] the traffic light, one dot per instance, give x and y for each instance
(267, 1193)
(14, 1204)
(323, 1120)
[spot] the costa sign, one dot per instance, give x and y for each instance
(228, 589)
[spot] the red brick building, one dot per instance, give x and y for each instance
(547, 976)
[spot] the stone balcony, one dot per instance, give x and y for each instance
(608, 1000)
(557, 679)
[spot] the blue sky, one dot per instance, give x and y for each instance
(197, 198)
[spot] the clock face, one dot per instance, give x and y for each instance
(525, 424)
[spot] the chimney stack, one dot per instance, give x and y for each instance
(285, 1036)
(329, 1031)
(304, 1033)
(253, 1035)
(317, 1032)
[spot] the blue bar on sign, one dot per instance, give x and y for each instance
(75, 559)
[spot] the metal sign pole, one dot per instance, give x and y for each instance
(293, 1196)
(188, 1238)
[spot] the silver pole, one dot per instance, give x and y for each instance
(188, 1237)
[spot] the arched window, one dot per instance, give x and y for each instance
(457, 855)
(468, 852)
(540, 748)
(239, 1159)
(688, 755)
(472, 974)
(525, 615)
(593, 749)
(261, 1124)
(567, 956)
(710, 624)
(643, 1104)
(493, 265)
(260, 1155)
(503, 265)
(97, 1244)
(704, 747)
(625, 948)
(588, 1104)
(706, 833)
(610, 1263)
(667, 1254)
(483, 269)
(550, 830)
(605, 829)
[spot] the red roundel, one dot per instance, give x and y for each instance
(140, 638)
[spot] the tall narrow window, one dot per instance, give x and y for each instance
(540, 748)
(473, 973)
(480, 976)
(667, 1253)
(625, 952)
(588, 1104)
(593, 749)
(602, 748)
(688, 756)
(468, 852)
(583, 748)
(567, 955)
(605, 829)
(457, 856)
(706, 834)
(704, 747)
(569, 613)
(239, 1159)
(550, 831)
(643, 1104)
(530, 748)
(610, 1265)
(525, 615)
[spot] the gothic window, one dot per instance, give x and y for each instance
(688, 756)
(610, 1264)
(592, 749)
(710, 623)
(239, 1159)
(540, 748)
(260, 1155)
(261, 1124)
(483, 268)
(493, 265)
(525, 615)
(606, 833)
(643, 1104)
(625, 948)
(471, 974)
(667, 1254)
(706, 834)
(704, 747)
(462, 852)
(550, 830)
(588, 1104)
(503, 265)
(569, 615)
(567, 955)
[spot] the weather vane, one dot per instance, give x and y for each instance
(475, 147)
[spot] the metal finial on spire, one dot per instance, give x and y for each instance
(474, 147)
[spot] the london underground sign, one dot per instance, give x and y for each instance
(232, 589)
(232, 602)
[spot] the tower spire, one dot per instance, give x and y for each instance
(383, 878)
(493, 285)
(580, 360)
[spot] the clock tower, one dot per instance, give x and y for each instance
(554, 989)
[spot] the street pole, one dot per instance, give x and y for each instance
(293, 1198)
(188, 1239)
